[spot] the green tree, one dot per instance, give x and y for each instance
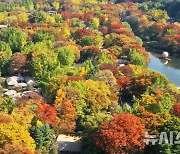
(28, 4)
(39, 17)
(66, 56)
(15, 38)
(105, 58)
(136, 58)
(7, 105)
(43, 64)
(167, 148)
(43, 36)
(5, 55)
(42, 134)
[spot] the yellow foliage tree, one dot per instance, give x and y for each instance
(3, 16)
(65, 31)
(14, 133)
(23, 116)
(66, 112)
(55, 5)
(23, 17)
(95, 22)
(153, 122)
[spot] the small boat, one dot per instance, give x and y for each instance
(165, 55)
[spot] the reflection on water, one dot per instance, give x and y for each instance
(170, 68)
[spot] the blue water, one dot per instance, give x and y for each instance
(171, 69)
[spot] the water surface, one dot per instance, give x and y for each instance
(170, 68)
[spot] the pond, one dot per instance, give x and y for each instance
(170, 68)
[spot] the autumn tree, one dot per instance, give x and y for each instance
(9, 133)
(94, 23)
(47, 114)
(108, 77)
(55, 5)
(92, 101)
(176, 109)
(83, 32)
(53, 86)
(157, 102)
(66, 113)
(153, 122)
(42, 64)
(18, 64)
(16, 149)
(122, 81)
(90, 52)
(91, 41)
(124, 134)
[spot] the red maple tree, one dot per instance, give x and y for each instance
(122, 81)
(47, 114)
(176, 109)
(124, 134)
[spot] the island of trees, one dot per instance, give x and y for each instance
(88, 59)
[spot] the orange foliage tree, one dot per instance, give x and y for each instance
(153, 122)
(66, 113)
(176, 109)
(122, 81)
(122, 135)
(47, 114)
(16, 149)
